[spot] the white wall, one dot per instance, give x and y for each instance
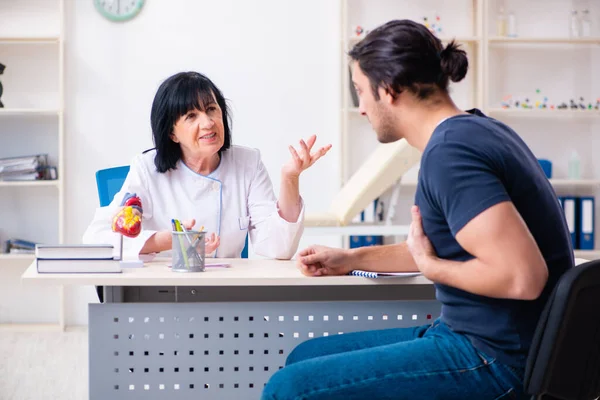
(276, 61)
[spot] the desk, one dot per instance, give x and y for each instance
(222, 333)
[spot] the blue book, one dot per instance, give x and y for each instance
(586, 225)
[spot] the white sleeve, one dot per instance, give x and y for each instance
(271, 235)
(100, 230)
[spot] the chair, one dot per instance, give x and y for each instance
(110, 181)
(564, 360)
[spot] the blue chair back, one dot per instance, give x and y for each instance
(110, 181)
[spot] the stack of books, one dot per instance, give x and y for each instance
(26, 168)
(84, 258)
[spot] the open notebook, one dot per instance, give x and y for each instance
(379, 172)
(370, 274)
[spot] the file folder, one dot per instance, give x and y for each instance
(586, 223)
(569, 208)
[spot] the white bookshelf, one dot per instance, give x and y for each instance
(498, 66)
(32, 41)
(372, 13)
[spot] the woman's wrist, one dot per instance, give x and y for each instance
(289, 177)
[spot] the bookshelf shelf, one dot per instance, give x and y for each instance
(460, 39)
(588, 254)
(574, 183)
(358, 229)
(30, 40)
(544, 40)
(16, 260)
(55, 183)
(27, 112)
(543, 113)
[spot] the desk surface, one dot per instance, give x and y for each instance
(243, 272)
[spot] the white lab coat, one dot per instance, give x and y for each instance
(235, 200)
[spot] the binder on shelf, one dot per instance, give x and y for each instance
(569, 207)
(26, 168)
(19, 246)
(586, 223)
(374, 212)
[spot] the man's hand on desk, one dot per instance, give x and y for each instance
(321, 261)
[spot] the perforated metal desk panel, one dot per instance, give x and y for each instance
(221, 334)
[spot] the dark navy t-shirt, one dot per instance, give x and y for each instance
(471, 163)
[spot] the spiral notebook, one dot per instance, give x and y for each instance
(370, 274)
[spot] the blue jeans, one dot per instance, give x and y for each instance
(427, 362)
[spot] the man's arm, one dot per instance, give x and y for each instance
(321, 260)
(387, 258)
(507, 264)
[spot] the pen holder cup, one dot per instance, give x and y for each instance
(188, 252)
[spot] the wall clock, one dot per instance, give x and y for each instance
(119, 10)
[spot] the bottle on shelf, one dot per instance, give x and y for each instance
(574, 25)
(586, 23)
(512, 24)
(501, 22)
(574, 166)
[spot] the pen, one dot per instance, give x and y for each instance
(183, 252)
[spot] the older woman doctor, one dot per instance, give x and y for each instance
(195, 174)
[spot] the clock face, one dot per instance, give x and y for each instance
(119, 10)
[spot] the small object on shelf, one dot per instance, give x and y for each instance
(501, 22)
(506, 101)
(435, 27)
(359, 31)
(574, 25)
(574, 166)
(573, 105)
(586, 24)
(546, 167)
(19, 246)
(512, 24)
(2, 66)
